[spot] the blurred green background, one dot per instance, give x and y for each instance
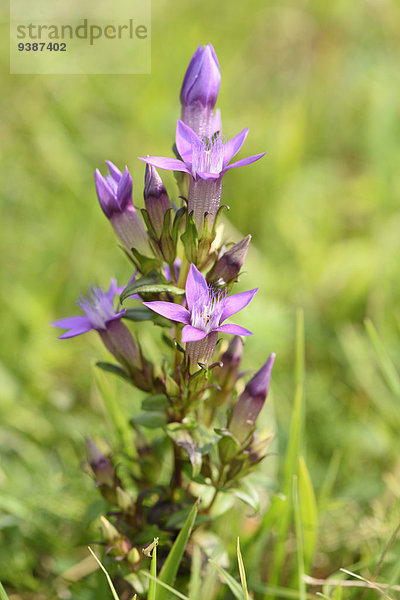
(317, 83)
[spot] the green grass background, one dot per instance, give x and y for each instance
(317, 83)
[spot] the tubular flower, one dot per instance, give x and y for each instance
(200, 90)
(101, 316)
(205, 160)
(115, 196)
(206, 310)
(250, 403)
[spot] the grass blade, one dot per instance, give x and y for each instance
(3, 594)
(233, 585)
(170, 569)
(299, 538)
(153, 572)
(242, 571)
(308, 513)
(166, 587)
(110, 583)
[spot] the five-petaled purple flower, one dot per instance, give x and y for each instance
(101, 316)
(206, 311)
(205, 160)
(99, 311)
(115, 196)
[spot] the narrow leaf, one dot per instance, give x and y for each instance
(110, 583)
(242, 571)
(308, 513)
(153, 572)
(233, 585)
(170, 569)
(3, 594)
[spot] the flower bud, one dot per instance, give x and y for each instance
(250, 403)
(155, 198)
(229, 264)
(110, 533)
(119, 341)
(101, 465)
(200, 90)
(115, 196)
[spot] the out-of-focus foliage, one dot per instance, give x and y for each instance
(318, 85)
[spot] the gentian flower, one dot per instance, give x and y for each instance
(205, 160)
(229, 264)
(156, 199)
(204, 317)
(101, 316)
(200, 90)
(251, 401)
(115, 196)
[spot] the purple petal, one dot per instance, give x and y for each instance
(169, 164)
(196, 286)
(208, 176)
(236, 302)
(216, 121)
(125, 189)
(170, 310)
(74, 332)
(233, 146)
(245, 161)
(114, 171)
(185, 138)
(233, 329)
(105, 195)
(191, 334)
(78, 322)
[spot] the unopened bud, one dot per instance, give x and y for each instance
(250, 403)
(155, 198)
(110, 533)
(101, 465)
(115, 196)
(229, 264)
(124, 500)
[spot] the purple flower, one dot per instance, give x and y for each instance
(205, 160)
(200, 90)
(115, 196)
(155, 198)
(206, 311)
(251, 401)
(99, 312)
(101, 316)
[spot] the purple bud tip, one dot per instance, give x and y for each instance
(153, 184)
(258, 385)
(202, 78)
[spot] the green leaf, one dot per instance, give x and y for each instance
(166, 587)
(153, 572)
(170, 569)
(156, 402)
(110, 583)
(242, 571)
(139, 313)
(248, 494)
(153, 283)
(308, 513)
(115, 369)
(151, 420)
(3, 595)
(337, 594)
(233, 585)
(182, 438)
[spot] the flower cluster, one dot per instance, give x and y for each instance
(183, 285)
